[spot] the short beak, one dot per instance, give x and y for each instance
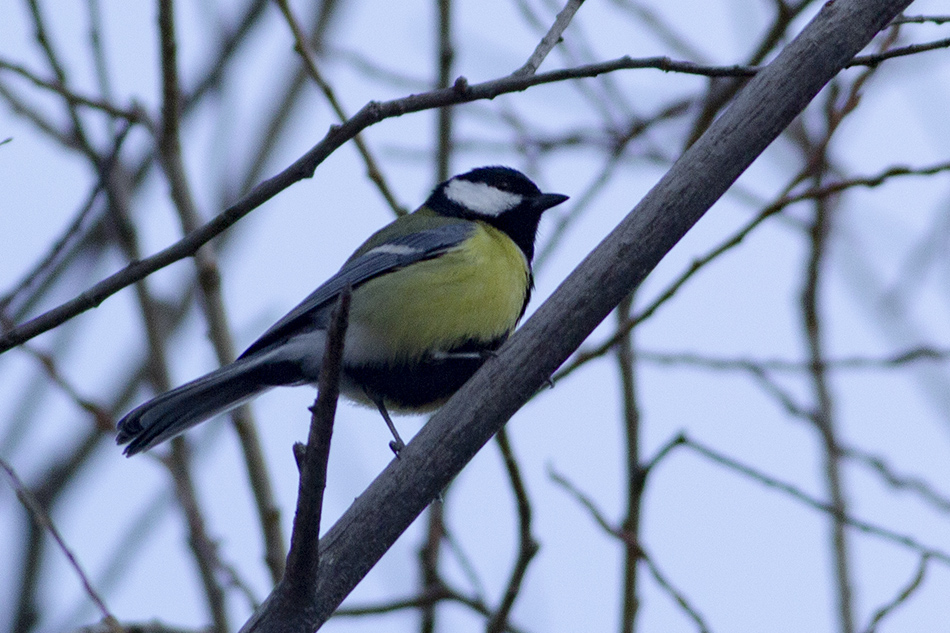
(547, 200)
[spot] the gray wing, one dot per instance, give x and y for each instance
(391, 255)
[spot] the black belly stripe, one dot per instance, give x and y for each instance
(424, 384)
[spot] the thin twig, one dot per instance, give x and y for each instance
(895, 360)
(901, 597)
(921, 19)
(784, 200)
(898, 481)
(796, 493)
(527, 545)
(678, 596)
(41, 518)
(215, 313)
(913, 49)
(437, 594)
(550, 39)
(132, 115)
(630, 540)
(372, 167)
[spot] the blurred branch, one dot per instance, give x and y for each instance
(446, 55)
(817, 167)
(678, 596)
(768, 481)
(42, 38)
(71, 237)
(64, 469)
(204, 550)
(901, 597)
(721, 92)
(436, 594)
(40, 517)
(228, 47)
(52, 483)
(372, 168)
(32, 114)
(631, 421)
(131, 115)
(818, 192)
(209, 281)
(96, 47)
(466, 566)
(603, 96)
(898, 481)
(581, 203)
(823, 413)
(527, 545)
(921, 19)
(48, 362)
(654, 20)
(631, 542)
(897, 360)
(429, 554)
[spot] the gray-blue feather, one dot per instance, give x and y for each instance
(388, 256)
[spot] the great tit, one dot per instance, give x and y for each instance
(434, 293)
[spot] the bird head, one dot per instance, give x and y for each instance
(499, 196)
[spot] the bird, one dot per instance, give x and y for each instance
(434, 294)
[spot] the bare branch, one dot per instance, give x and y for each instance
(874, 60)
(631, 541)
(131, 115)
(41, 518)
(293, 606)
(818, 192)
(372, 167)
(899, 481)
(921, 19)
(527, 546)
(901, 597)
(551, 38)
(884, 533)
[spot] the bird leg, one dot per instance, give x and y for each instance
(397, 444)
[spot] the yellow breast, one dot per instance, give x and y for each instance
(476, 291)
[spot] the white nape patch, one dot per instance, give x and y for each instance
(393, 249)
(481, 198)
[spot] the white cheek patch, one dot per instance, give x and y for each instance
(393, 249)
(481, 198)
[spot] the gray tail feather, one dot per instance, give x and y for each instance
(175, 411)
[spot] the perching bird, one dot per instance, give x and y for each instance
(434, 293)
